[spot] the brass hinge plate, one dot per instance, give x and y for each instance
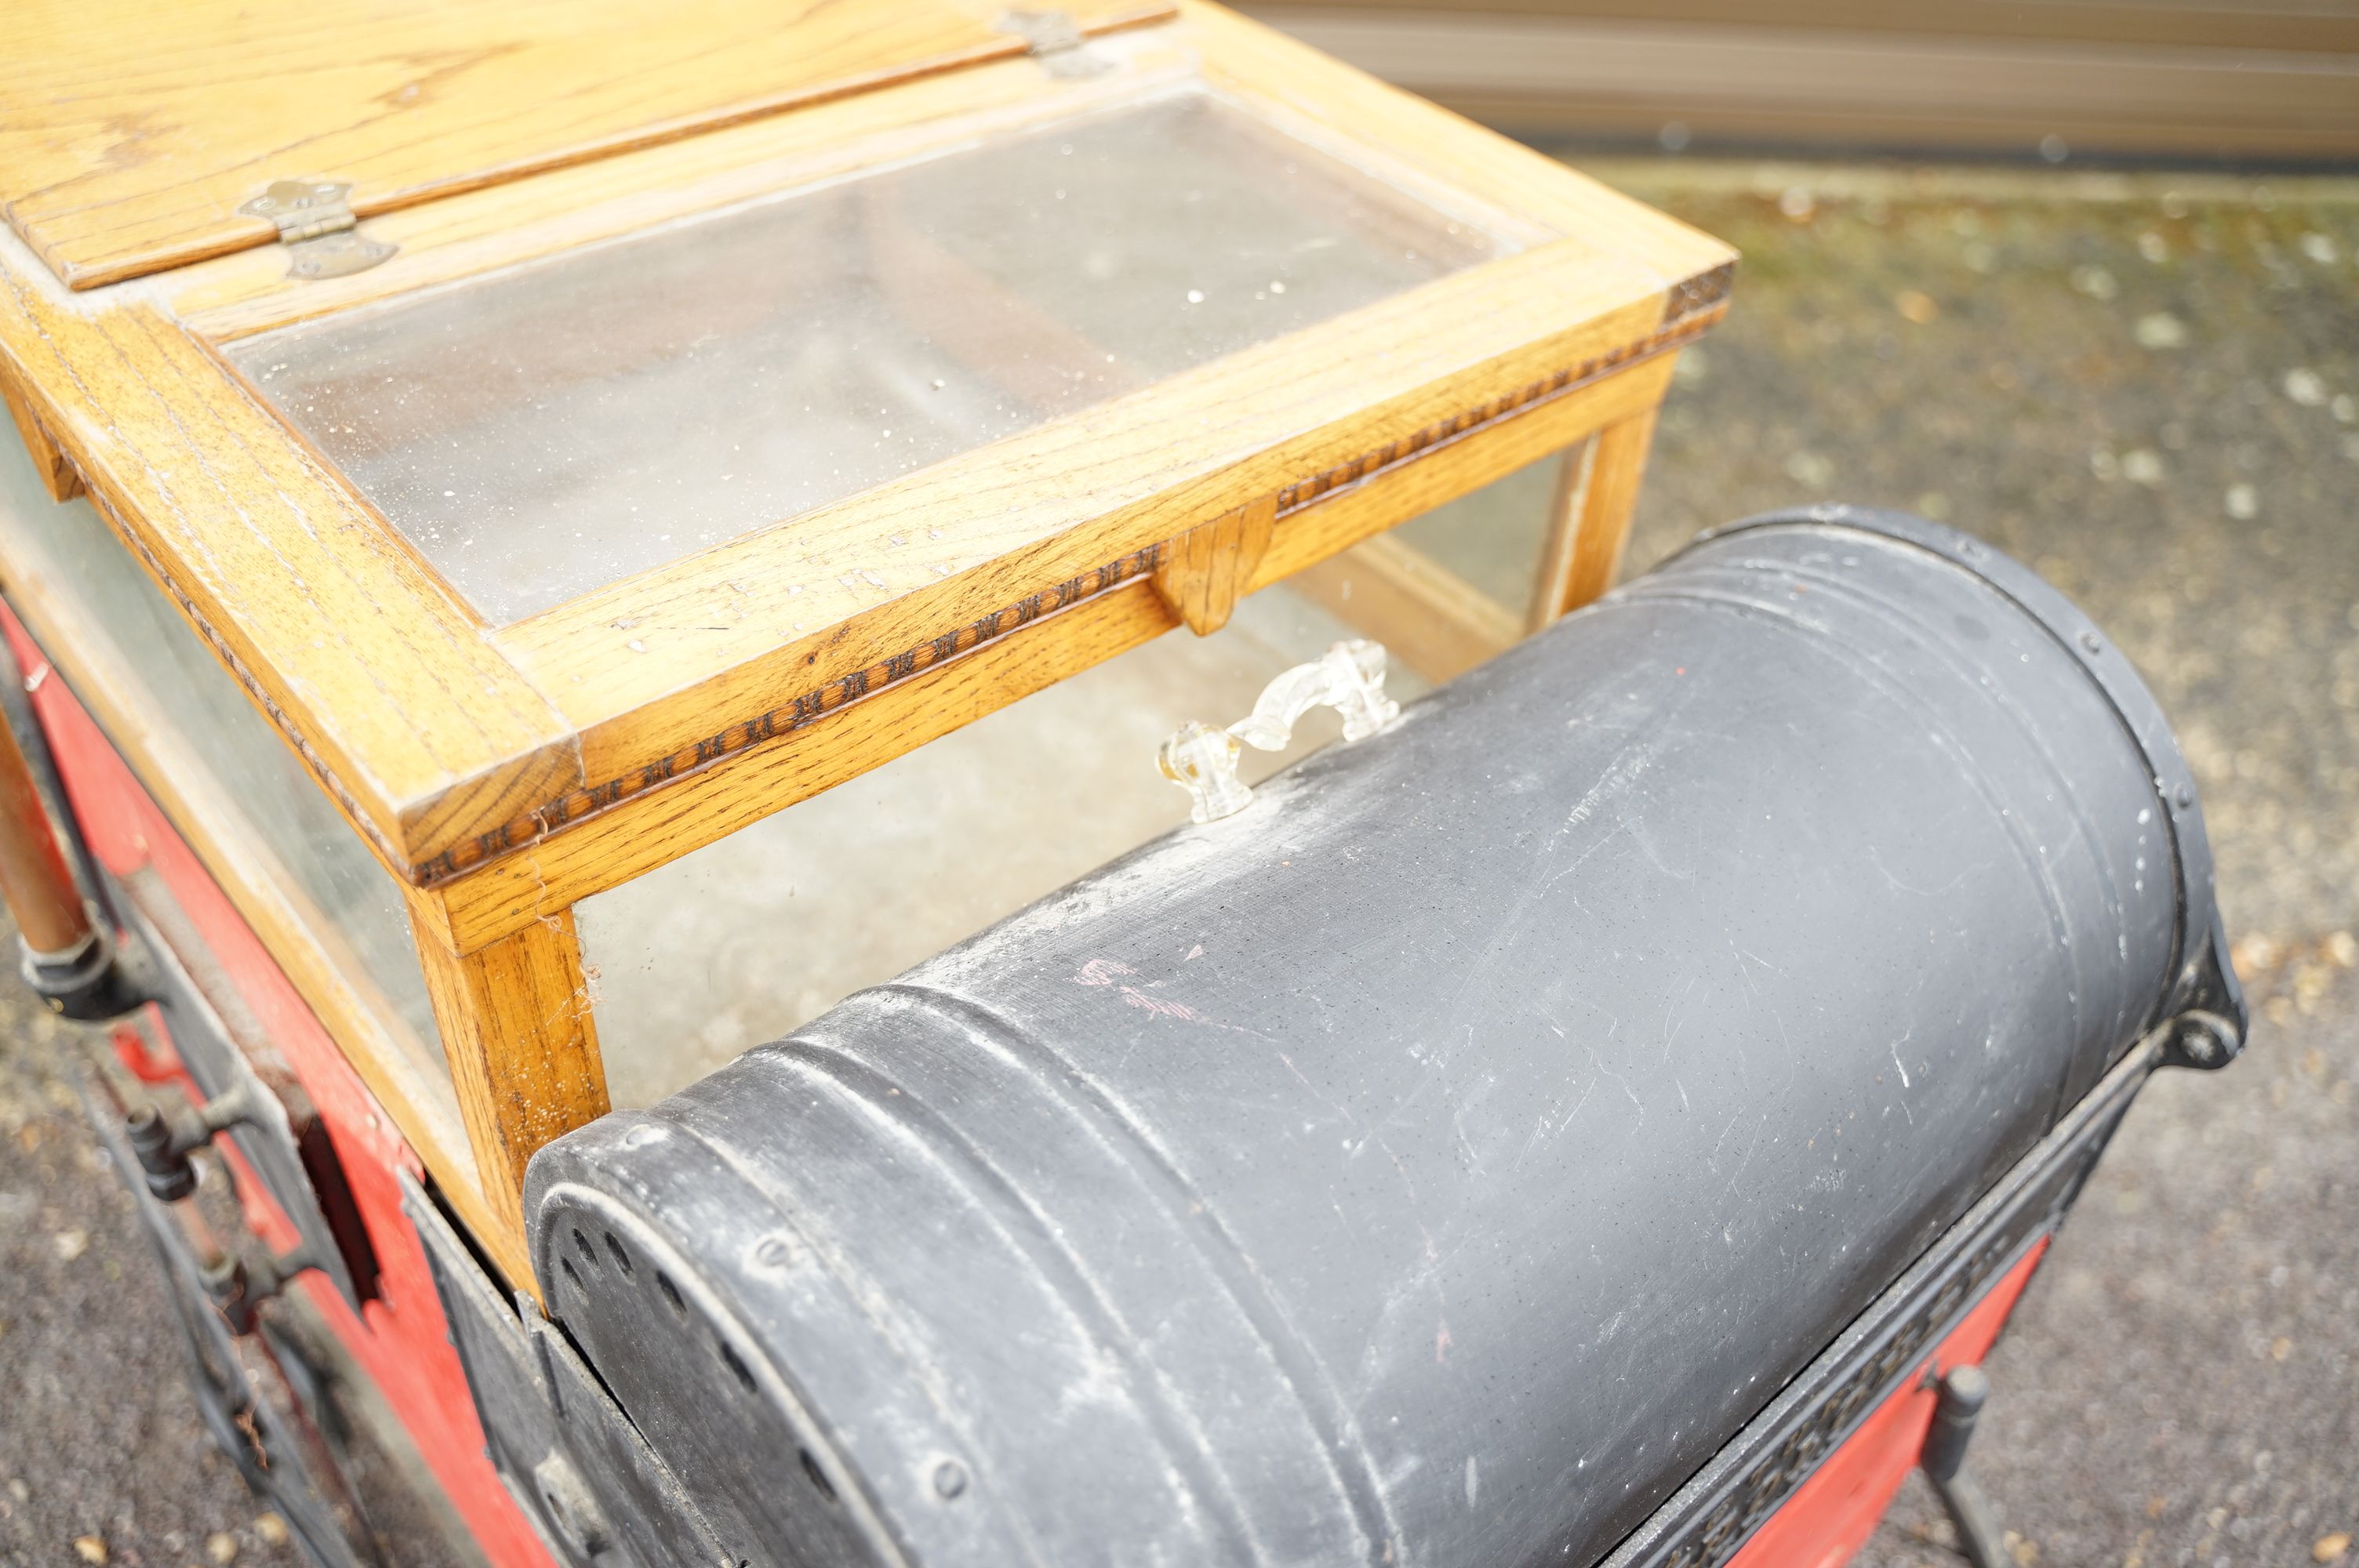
(315, 223)
(1057, 41)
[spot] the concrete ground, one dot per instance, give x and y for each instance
(2144, 385)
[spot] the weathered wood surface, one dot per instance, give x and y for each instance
(131, 133)
(523, 1049)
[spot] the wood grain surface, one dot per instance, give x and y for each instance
(131, 132)
(58, 474)
(1592, 522)
(479, 231)
(1200, 574)
(523, 1050)
(381, 681)
(1426, 615)
(450, 745)
(1087, 619)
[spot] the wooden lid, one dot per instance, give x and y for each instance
(131, 133)
(556, 547)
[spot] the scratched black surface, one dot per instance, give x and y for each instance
(1438, 1160)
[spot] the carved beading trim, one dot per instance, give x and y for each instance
(808, 707)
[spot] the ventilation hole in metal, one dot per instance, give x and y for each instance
(622, 1258)
(730, 1358)
(589, 1253)
(671, 1294)
(818, 1477)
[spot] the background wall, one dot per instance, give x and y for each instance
(2181, 79)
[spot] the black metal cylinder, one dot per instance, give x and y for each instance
(1436, 1162)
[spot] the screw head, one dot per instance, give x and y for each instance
(949, 1480)
(2201, 1041)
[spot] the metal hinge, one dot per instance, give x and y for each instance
(1057, 42)
(316, 224)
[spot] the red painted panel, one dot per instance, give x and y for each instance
(1831, 1516)
(400, 1340)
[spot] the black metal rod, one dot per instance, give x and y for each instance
(1963, 1392)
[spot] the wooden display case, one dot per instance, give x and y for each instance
(581, 433)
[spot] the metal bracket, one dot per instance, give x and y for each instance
(247, 1387)
(96, 981)
(168, 1129)
(2208, 1031)
(1057, 42)
(315, 223)
(577, 1468)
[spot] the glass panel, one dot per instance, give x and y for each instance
(188, 696)
(1493, 538)
(559, 426)
(741, 941)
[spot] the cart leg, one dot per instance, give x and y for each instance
(519, 1032)
(1596, 496)
(1963, 1389)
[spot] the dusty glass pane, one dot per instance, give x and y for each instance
(559, 426)
(195, 702)
(739, 942)
(1493, 538)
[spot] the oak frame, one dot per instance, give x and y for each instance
(302, 940)
(566, 755)
(479, 739)
(102, 205)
